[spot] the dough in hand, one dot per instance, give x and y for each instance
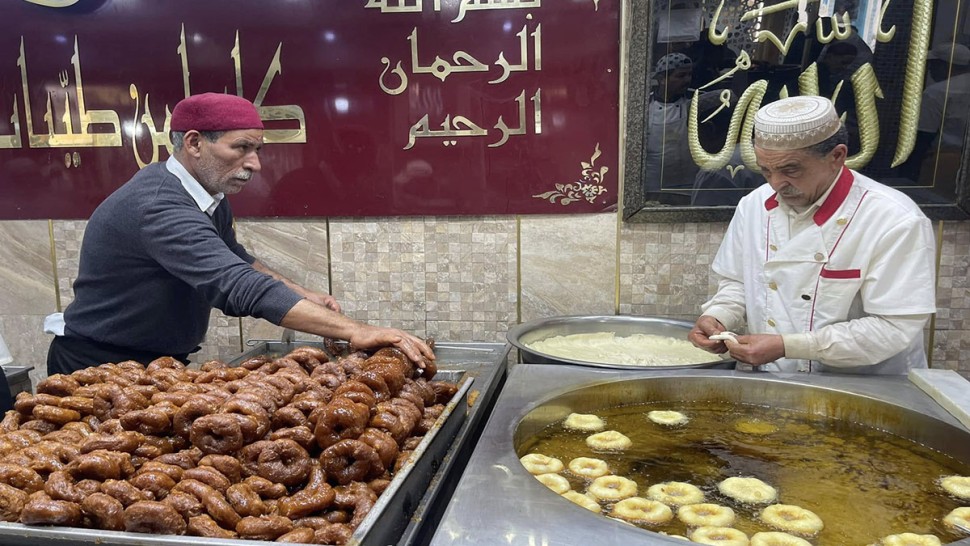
(724, 336)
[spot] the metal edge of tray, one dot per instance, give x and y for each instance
(432, 507)
(378, 527)
(531, 356)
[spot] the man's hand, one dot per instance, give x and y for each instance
(757, 349)
(703, 329)
(370, 337)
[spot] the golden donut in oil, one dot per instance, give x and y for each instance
(608, 440)
(642, 511)
(537, 463)
(792, 519)
(675, 493)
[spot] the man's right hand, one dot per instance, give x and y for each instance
(703, 329)
(375, 337)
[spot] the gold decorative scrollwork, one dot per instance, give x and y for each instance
(742, 121)
(866, 88)
(588, 187)
(919, 39)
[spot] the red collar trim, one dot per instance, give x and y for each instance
(835, 199)
(772, 202)
(831, 204)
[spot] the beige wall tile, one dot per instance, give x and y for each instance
(454, 279)
(25, 337)
(26, 271)
(68, 235)
(665, 268)
(378, 268)
(568, 265)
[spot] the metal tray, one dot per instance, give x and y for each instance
(524, 334)
(383, 525)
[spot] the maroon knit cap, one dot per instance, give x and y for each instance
(215, 112)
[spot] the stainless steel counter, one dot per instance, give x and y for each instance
(498, 502)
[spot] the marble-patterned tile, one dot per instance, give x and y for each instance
(665, 268)
(284, 246)
(68, 235)
(468, 331)
(471, 264)
(24, 336)
(378, 268)
(26, 270)
(222, 340)
(568, 265)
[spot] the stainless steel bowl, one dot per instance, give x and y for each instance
(525, 334)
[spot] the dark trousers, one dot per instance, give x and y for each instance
(6, 401)
(68, 354)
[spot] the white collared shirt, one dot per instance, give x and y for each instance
(207, 202)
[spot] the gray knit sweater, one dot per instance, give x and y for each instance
(153, 265)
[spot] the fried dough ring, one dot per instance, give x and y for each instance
(748, 490)
(792, 519)
(537, 463)
(706, 515)
(40, 509)
(281, 461)
(609, 440)
(105, 511)
(153, 517)
(588, 468)
(959, 519)
(264, 527)
(555, 482)
(958, 486)
(612, 488)
(639, 510)
(341, 419)
(204, 526)
(585, 501)
(351, 460)
(12, 502)
(584, 422)
(719, 536)
(668, 418)
(217, 433)
(675, 493)
(909, 539)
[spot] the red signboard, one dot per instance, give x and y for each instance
(372, 107)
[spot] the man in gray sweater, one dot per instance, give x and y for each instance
(160, 252)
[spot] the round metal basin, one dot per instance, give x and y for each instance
(536, 396)
(883, 415)
(525, 334)
(759, 390)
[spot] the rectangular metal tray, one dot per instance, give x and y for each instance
(383, 525)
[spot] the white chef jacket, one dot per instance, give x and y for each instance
(869, 251)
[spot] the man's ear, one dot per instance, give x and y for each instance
(192, 142)
(840, 153)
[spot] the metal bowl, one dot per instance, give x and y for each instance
(525, 334)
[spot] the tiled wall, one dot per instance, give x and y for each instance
(454, 279)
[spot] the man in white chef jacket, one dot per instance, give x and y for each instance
(827, 269)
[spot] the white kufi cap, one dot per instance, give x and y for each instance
(794, 123)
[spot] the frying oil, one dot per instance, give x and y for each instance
(863, 483)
